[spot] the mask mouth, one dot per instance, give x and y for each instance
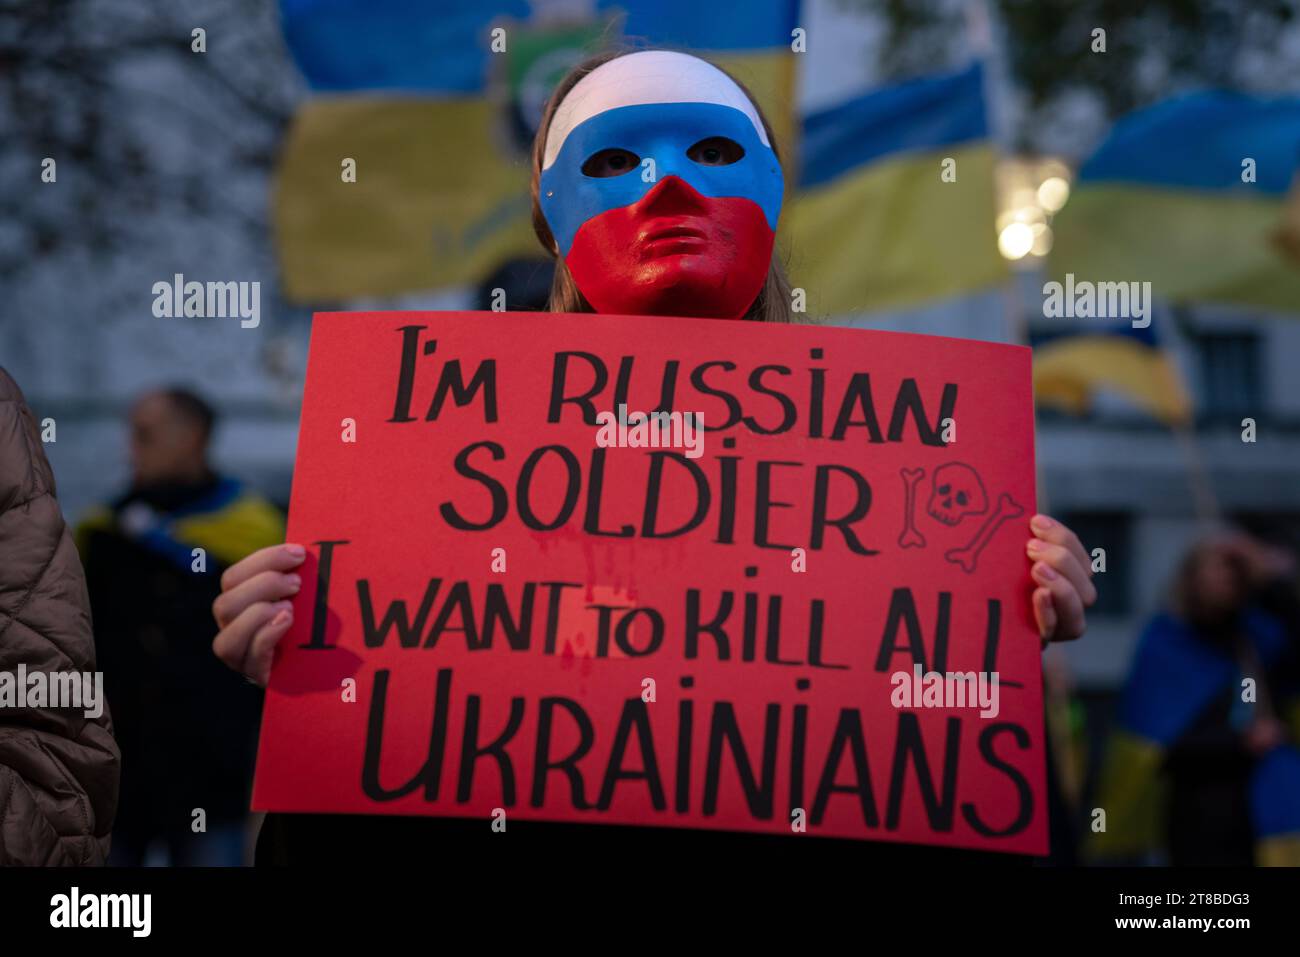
(671, 239)
(667, 238)
(671, 232)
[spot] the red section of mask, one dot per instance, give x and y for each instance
(674, 252)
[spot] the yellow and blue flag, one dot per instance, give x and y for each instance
(1070, 368)
(435, 105)
(880, 221)
(1190, 195)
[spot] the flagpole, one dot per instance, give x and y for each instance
(1205, 502)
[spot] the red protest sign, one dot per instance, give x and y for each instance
(811, 616)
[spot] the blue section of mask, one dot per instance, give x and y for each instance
(662, 132)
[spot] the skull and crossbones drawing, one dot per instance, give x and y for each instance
(956, 491)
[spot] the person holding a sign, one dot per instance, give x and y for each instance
(657, 187)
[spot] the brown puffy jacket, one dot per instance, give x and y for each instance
(58, 769)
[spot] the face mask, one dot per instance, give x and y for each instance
(661, 188)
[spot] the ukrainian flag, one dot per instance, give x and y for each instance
(1070, 368)
(438, 124)
(876, 224)
(1190, 195)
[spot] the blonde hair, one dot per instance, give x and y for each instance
(772, 303)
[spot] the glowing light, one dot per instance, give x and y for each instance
(1052, 193)
(1031, 213)
(1015, 241)
(1042, 239)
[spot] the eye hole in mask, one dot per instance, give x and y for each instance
(610, 162)
(716, 151)
(712, 151)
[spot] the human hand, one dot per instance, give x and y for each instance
(1063, 573)
(253, 611)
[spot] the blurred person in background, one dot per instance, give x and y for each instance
(1203, 769)
(154, 558)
